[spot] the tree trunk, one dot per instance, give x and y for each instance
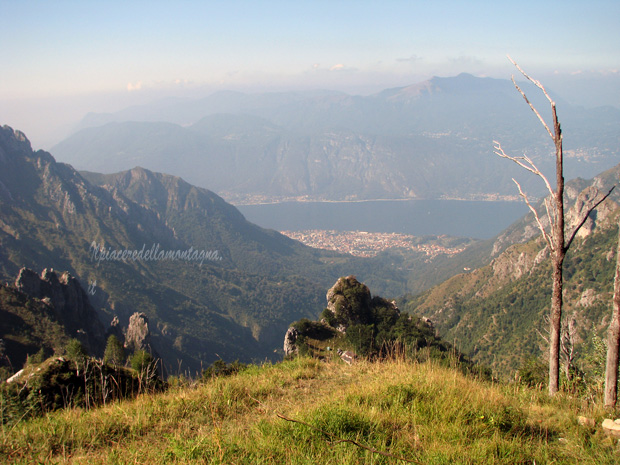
(555, 326)
(558, 260)
(613, 341)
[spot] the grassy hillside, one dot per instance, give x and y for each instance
(306, 411)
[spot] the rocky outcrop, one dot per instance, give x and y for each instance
(70, 303)
(12, 140)
(427, 321)
(586, 198)
(587, 299)
(579, 196)
(373, 326)
(513, 264)
(289, 341)
(349, 301)
(138, 336)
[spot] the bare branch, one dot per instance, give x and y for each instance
(544, 338)
(533, 108)
(500, 152)
(585, 217)
(533, 81)
(551, 212)
(540, 226)
(528, 165)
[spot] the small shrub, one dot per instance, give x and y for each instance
(39, 357)
(533, 372)
(341, 422)
(314, 329)
(221, 368)
(141, 361)
(146, 367)
(329, 317)
(75, 350)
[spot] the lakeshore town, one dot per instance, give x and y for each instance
(367, 244)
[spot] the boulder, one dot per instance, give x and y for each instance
(585, 421)
(611, 427)
(289, 341)
(349, 300)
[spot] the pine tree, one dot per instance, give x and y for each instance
(114, 353)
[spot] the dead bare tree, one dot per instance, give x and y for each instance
(568, 338)
(613, 341)
(555, 237)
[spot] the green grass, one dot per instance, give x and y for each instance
(422, 412)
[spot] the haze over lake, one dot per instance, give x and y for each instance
(476, 219)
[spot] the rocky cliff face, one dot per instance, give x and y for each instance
(579, 194)
(67, 298)
(600, 217)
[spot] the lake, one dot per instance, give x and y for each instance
(476, 219)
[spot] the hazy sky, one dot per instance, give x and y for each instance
(60, 59)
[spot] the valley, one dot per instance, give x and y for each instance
(399, 189)
(309, 232)
(240, 305)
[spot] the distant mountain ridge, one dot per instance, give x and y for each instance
(428, 140)
(463, 83)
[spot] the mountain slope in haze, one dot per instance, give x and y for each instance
(429, 140)
(234, 303)
(495, 313)
(51, 217)
(205, 220)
